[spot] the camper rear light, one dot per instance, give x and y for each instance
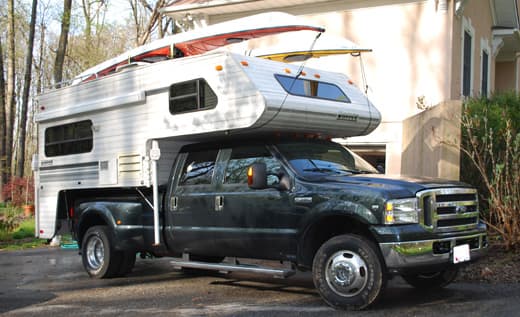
(71, 212)
(218, 68)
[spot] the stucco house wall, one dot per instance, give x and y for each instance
(476, 19)
(507, 79)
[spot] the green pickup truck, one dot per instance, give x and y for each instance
(307, 202)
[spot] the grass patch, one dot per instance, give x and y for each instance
(17, 232)
(27, 243)
(24, 230)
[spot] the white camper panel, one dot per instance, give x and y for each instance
(294, 113)
(127, 110)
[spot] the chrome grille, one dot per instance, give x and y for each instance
(449, 209)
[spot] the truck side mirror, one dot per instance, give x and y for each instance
(257, 176)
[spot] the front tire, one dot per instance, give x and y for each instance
(100, 260)
(347, 272)
(432, 280)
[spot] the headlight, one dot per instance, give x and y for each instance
(400, 211)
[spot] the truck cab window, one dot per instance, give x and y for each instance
(198, 168)
(243, 157)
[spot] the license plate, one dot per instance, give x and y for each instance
(461, 253)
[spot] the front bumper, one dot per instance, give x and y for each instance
(401, 257)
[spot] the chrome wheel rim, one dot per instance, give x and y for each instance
(346, 273)
(95, 253)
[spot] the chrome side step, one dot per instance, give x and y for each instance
(229, 267)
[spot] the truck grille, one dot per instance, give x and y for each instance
(449, 209)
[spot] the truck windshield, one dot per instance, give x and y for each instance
(324, 158)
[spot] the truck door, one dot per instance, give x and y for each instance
(250, 221)
(191, 205)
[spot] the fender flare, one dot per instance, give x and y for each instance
(94, 215)
(331, 209)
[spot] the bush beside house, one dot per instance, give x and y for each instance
(491, 160)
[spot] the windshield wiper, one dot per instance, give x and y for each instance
(357, 172)
(320, 170)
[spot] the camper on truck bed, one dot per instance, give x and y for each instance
(211, 157)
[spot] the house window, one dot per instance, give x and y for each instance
(466, 64)
(485, 73)
(191, 95)
(72, 138)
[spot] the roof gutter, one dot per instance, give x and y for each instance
(182, 9)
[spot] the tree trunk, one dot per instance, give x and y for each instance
(25, 93)
(10, 107)
(62, 44)
(39, 64)
(3, 176)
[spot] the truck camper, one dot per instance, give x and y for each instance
(215, 156)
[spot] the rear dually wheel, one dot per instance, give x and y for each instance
(100, 260)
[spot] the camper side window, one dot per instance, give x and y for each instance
(191, 95)
(66, 139)
(311, 88)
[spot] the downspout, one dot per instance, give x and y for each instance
(446, 18)
(449, 47)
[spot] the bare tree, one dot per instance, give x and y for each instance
(3, 176)
(93, 12)
(62, 44)
(25, 92)
(148, 19)
(10, 105)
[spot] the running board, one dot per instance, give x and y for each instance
(228, 267)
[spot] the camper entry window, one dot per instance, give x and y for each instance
(191, 95)
(66, 139)
(312, 88)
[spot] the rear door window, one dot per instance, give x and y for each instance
(198, 168)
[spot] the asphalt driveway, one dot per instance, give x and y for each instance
(52, 282)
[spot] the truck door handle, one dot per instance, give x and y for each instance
(219, 203)
(174, 203)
